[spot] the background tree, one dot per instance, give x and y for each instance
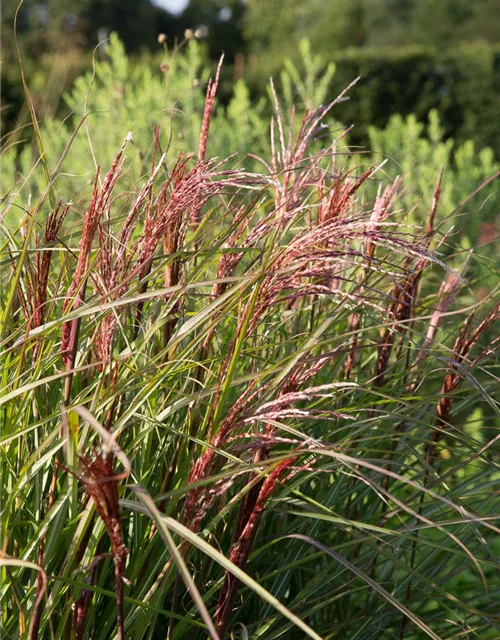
(224, 20)
(137, 22)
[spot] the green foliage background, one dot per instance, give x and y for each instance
(123, 95)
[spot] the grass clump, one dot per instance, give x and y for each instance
(245, 404)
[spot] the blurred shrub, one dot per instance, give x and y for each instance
(124, 95)
(419, 151)
(48, 78)
(311, 82)
(463, 84)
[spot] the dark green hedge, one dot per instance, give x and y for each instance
(463, 84)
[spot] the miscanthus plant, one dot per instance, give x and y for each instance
(245, 404)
